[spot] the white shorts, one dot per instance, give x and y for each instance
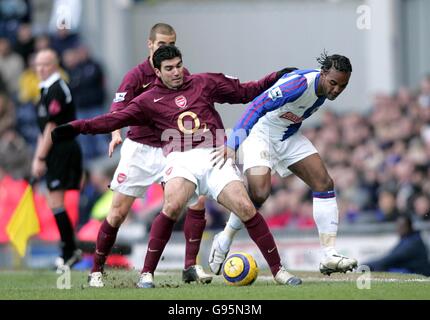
(195, 165)
(139, 167)
(259, 150)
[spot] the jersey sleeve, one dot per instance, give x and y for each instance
(226, 89)
(58, 98)
(126, 92)
(133, 115)
(278, 95)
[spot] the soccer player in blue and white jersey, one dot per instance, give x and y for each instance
(269, 130)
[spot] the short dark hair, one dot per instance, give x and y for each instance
(337, 61)
(165, 52)
(161, 28)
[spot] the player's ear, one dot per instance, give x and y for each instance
(324, 73)
(157, 72)
(149, 43)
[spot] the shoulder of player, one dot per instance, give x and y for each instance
(59, 87)
(293, 81)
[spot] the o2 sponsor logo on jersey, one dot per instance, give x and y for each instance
(292, 117)
(121, 177)
(119, 96)
(275, 93)
(181, 102)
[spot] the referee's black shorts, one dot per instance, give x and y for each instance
(64, 166)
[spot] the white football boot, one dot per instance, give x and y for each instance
(284, 277)
(217, 256)
(95, 280)
(337, 263)
(146, 281)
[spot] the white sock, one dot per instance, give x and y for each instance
(234, 224)
(326, 216)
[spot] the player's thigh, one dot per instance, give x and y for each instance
(235, 198)
(313, 172)
(55, 199)
(140, 166)
(177, 192)
(257, 157)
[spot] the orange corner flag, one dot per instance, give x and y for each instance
(24, 222)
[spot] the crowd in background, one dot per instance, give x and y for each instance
(379, 161)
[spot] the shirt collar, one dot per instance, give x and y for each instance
(48, 82)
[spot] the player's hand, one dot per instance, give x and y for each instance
(280, 73)
(221, 154)
(63, 132)
(116, 140)
(38, 168)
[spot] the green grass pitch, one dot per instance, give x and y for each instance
(120, 284)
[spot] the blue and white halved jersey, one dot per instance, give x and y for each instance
(279, 112)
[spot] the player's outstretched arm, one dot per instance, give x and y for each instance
(131, 116)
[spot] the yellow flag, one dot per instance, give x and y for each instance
(24, 222)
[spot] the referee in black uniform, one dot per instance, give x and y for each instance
(62, 162)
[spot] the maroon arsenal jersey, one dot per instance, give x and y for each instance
(184, 118)
(138, 80)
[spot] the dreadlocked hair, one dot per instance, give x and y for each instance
(340, 63)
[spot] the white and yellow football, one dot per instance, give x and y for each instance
(240, 269)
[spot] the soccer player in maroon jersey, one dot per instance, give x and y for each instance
(181, 110)
(142, 163)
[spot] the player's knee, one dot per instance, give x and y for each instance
(324, 184)
(117, 216)
(258, 196)
(172, 209)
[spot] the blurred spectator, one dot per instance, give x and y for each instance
(12, 13)
(87, 85)
(63, 40)
(387, 210)
(421, 206)
(11, 66)
(410, 255)
(7, 114)
(42, 41)
(15, 157)
(24, 45)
